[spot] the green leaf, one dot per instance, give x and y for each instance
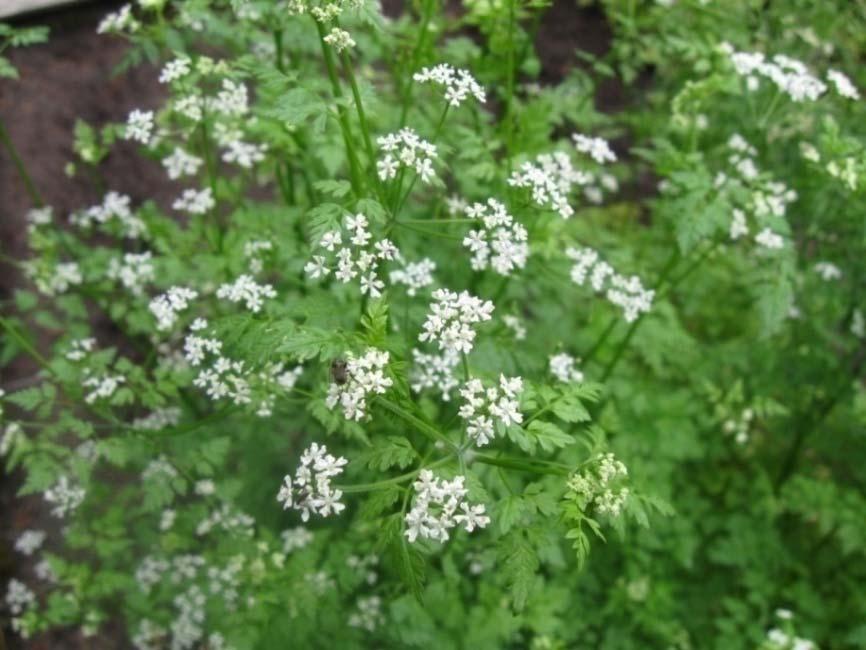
(510, 511)
(519, 563)
(548, 435)
(375, 322)
(337, 189)
(389, 452)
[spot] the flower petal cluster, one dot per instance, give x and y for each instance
(596, 148)
(364, 376)
(310, 490)
(551, 178)
(139, 126)
(459, 84)
(501, 243)
(439, 506)
(451, 319)
(487, 408)
(133, 272)
(64, 496)
(563, 366)
(406, 148)
(353, 253)
(101, 387)
(435, 371)
(843, 84)
(195, 201)
(114, 207)
(244, 154)
(789, 75)
(339, 39)
(30, 541)
(245, 289)
(627, 293)
(175, 69)
(415, 275)
(596, 485)
(180, 163)
(166, 306)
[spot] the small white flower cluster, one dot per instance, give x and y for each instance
(295, 538)
(415, 275)
(232, 100)
(80, 348)
(368, 615)
(139, 126)
(180, 163)
(195, 201)
(858, 327)
(439, 506)
(134, 271)
(114, 206)
(229, 520)
(175, 69)
(563, 366)
(64, 496)
(595, 485)
(434, 371)
(551, 177)
(843, 84)
(12, 434)
(39, 217)
(310, 490)
(628, 294)
(790, 76)
(101, 387)
(359, 257)
(515, 324)
(828, 271)
(406, 148)
(245, 289)
(244, 154)
(274, 379)
(365, 376)
(487, 408)
(158, 419)
(252, 249)
(339, 39)
(740, 428)
(459, 84)
(502, 242)
(451, 318)
(159, 469)
(19, 597)
(64, 275)
(30, 541)
(119, 21)
(596, 148)
(365, 566)
(165, 307)
(780, 640)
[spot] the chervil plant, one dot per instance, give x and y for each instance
(411, 344)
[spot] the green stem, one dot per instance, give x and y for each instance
(25, 344)
(354, 165)
(509, 99)
(419, 45)
(278, 46)
(531, 466)
(382, 485)
(428, 430)
(20, 167)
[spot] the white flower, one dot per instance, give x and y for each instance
(19, 597)
(134, 271)
(29, 541)
(364, 376)
(80, 348)
(828, 271)
(627, 293)
(114, 207)
(516, 326)
(310, 490)
(563, 367)
(405, 148)
(368, 615)
(295, 538)
(166, 307)
(175, 69)
(451, 317)
(139, 126)
(195, 202)
(597, 148)
(768, 239)
(502, 242)
(232, 100)
(180, 163)
(102, 387)
(246, 290)
(843, 84)
(789, 75)
(339, 39)
(415, 275)
(244, 154)
(738, 224)
(64, 496)
(439, 506)
(459, 84)
(166, 519)
(485, 408)
(118, 21)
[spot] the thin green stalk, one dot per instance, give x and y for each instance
(509, 98)
(25, 344)
(428, 430)
(278, 47)
(601, 339)
(419, 45)
(20, 167)
(384, 484)
(531, 466)
(354, 165)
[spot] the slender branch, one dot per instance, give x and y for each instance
(20, 167)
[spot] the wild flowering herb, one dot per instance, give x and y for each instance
(166, 307)
(247, 291)
(64, 497)
(451, 319)
(789, 75)
(628, 293)
(405, 149)
(458, 84)
(563, 366)
(360, 378)
(487, 410)
(310, 489)
(139, 126)
(501, 243)
(440, 505)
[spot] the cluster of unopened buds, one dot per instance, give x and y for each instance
(595, 486)
(310, 490)
(439, 506)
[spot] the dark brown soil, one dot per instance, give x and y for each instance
(70, 78)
